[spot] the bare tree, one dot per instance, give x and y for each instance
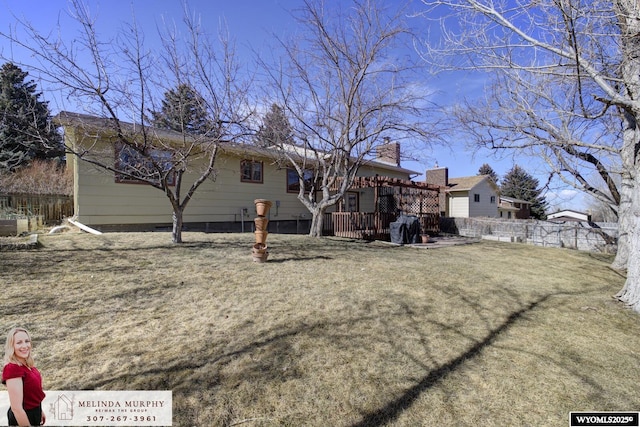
(566, 90)
(344, 87)
(122, 80)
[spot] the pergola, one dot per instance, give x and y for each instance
(392, 198)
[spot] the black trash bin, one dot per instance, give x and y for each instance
(405, 229)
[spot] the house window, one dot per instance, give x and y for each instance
(293, 183)
(476, 197)
(138, 168)
(350, 202)
(493, 200)
(251, 171)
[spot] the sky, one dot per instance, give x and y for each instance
(252, 24)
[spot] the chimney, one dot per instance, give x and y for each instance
(438, 176)
(389, 152)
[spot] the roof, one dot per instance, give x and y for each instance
(507, 207)
(390, 167)
(514, 200)
(568, 212)
(66, 118)
(569, 215)
(466, 183)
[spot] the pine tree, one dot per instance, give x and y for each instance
(183, 110)
(486, 169)
(26, 132)
(519, 184)
(275, 128)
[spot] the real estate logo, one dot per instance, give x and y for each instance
(108, 408)
(63, 408)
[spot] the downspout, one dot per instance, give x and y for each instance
(84, 227)
(243, 211)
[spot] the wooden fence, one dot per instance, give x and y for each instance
(52, 208)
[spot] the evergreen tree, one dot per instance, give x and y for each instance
(183, 110)
(519, 184)
(486, 169)
(26, 132)
(275, 128)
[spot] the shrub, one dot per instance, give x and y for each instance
(39, 177)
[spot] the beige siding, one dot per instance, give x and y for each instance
(462, 203)
(483, 208)
(100, 200)
(104, 201)
(367, 200)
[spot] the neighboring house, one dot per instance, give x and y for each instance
(569, 215)
(465, 197)
(511, 208)
(243, 172)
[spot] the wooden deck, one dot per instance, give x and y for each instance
(372, 225)
(392, 196)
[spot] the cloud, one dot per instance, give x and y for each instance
(566, 198)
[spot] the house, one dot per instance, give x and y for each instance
(107, 201)
(465, 197)
(512, 208)
(569, 215)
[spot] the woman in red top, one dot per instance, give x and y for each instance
(23, 381)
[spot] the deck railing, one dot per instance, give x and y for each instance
(372, 225)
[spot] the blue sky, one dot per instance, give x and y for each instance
(251, 23)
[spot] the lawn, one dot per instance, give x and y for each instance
(328, 332)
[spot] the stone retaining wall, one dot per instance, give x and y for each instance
(584, 236)
(19, 243)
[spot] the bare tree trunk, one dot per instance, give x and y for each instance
(176, 233)
(628, 14)
(317, 221)
(625, 223)
(630, 293)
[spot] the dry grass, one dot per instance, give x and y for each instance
(330, 331)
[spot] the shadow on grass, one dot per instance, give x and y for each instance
(273, 359)
(395, 408)
(299, 258)
(107, 246)
(276, 344)
(305, 244)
